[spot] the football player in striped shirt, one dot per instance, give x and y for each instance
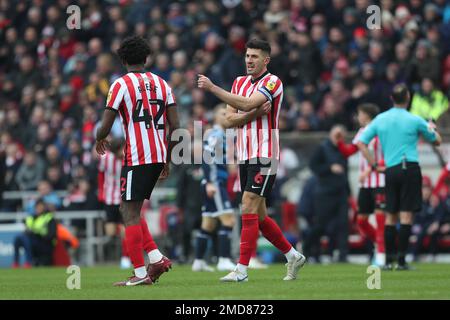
(258, 152)
(371, 196)
(148, 113)
(109, 167)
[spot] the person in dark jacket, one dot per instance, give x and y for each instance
(331, 193)
(189, 202)
(307, 210)
(426, 221)
(39, 238)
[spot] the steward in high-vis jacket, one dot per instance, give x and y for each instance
(39, 238)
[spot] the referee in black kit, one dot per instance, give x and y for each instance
(399, 132)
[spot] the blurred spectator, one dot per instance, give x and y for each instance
(38, 238)
(424, 64)
(429, 102)
(55, 177)
(81, 196)
(426, 222)
(30, 172)
(47, 194)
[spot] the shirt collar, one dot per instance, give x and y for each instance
(260, 77)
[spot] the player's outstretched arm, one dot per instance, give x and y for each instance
(234, 119)
(239, 102)
(107, 122)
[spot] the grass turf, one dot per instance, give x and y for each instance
(335, 281)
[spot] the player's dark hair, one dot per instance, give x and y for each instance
(133, 50)
(370, 109)
(259, 44)
(400, 94)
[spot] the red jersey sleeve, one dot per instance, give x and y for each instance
(271, 87)
(347, 150)
(115, 96)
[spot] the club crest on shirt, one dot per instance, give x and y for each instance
(270, 85)
(109, 97)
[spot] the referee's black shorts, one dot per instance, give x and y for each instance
(404, 188)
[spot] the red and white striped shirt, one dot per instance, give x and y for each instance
(259, 138)
(374, 179)
(141, 100)
(109, 168)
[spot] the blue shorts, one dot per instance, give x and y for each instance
(217, 205)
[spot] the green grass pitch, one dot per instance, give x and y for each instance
(335, 281)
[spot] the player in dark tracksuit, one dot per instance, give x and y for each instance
(216, 203)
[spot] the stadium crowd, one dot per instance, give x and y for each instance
(54, 81)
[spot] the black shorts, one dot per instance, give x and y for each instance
(137, 182)
(404, 188)
(371, 199)
(257, 176)
(113, 214)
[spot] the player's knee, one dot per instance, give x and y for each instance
(228, 220)
(406, 218)
(250, 202)
(208, 224)
(130, 216)
(391, 219)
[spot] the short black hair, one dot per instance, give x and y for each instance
(370, 109)
(133, 50)
(400, 94)
(259, 44)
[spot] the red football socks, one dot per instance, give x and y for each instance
(249, 237)
(133, 237)
(366, 229)
(272, 232)
(148, 242)
(380, 217)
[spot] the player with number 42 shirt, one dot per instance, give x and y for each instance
(148, 113)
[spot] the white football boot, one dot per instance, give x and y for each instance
(294, 266)
(235, 276)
